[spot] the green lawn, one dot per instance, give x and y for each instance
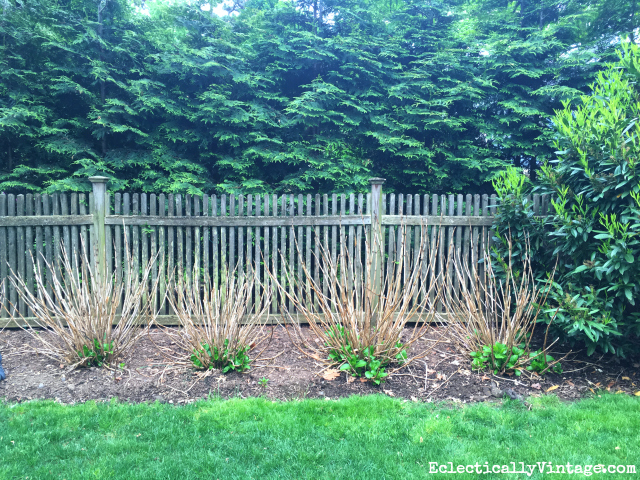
(360, 437)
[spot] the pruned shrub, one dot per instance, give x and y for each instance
(222, 326)
(88, 320)
(358, 323)
(494, 317)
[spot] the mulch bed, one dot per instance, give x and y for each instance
(152, 374)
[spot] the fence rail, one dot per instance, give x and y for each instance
(216, 233)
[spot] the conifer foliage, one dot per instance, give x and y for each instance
(280, 96)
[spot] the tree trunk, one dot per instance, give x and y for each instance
(533, 166)
(540, 19)
(10, 157)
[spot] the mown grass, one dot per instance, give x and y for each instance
(360, 437)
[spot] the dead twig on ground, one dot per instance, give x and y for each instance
(443, 383)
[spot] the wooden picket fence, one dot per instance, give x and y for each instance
(216, 233)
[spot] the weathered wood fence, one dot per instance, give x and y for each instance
(218, 232)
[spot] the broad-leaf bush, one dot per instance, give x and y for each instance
(594, 218)
(518, 232)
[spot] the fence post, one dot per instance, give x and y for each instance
(376, 246)
(99, 212)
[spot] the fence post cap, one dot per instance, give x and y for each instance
(98, 179)
(377, 181)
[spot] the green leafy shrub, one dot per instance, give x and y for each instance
(541, 363)
(594, 221)
(498, 357)
(517, 228)
(364, 362)
(97, 354)
(504, 359)
(223, 358)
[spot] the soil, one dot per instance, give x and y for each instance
(153, 374)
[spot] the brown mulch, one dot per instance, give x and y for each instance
(152, 373)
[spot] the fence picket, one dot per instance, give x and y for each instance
(90, 233)
(292, 250)
(441, 249)
(434, 273)
(249, 263)
(493, 208)
(48, 240)
(351, 244)
(75, 239)
(485, 239)
(20, 250)
(367, 236)
(318, 239)
(214, 247)
(171, 274)
(162, 256)
(205, 238)
(135, 238)
(188, 239)
(153, 203)
(300, 248)
(257, 272)
(467, 241)
(224, 260)
(232, 233)
(308, 251)
(144, 237)
(426, 251)
(197, 252)
(391, 231)
(108, 233)
(400, 267)
(39, 259)
(266, 251)
(57, 264)
(274, 256)
(359, 246)
(334, 229)
(179, 239)
(11, 246)
(408, 239)
(3, 252)
(449, 247)
(286, 303)
(127, 252)
(239, 264)
(545, 201)
(417, 239)
(29, 254)
(458, 249)
(325, 246)
(474, 241)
